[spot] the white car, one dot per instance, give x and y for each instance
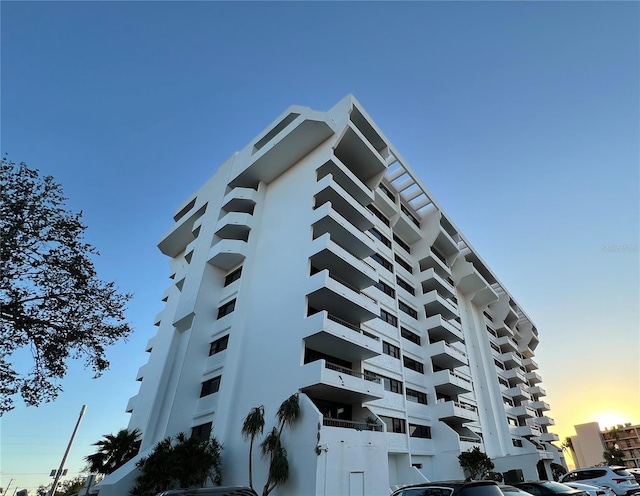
(591, 489)
(617, 479)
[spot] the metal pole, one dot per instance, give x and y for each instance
(66, 453)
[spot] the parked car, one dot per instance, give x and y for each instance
(591, 489)
(450, 488)
(635, 472)
(549, 488)
(513, 491)
(617, 478)
(211, 491)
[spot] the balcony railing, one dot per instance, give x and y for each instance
(350, 424)
(353, 327)
(350, 286)
(343, 370)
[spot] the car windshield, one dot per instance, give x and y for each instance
(556, 487)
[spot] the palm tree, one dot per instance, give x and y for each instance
(567, 447)
(252, 426)
(114, 451)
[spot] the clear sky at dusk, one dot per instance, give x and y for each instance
(522, 118)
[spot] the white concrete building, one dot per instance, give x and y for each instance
(315, 261)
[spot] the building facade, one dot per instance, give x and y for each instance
(590, 442)
(315, 261)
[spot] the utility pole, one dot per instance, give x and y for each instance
(66, 453)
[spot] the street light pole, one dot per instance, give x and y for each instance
(66, 453)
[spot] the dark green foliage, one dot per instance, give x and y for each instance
(475, 463)
(179, 462)
(613, 456)
(253, 425)
(114, 451)
(52, 303)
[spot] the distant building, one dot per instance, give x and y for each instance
(315, 261)
(626, 438)
(590, 442)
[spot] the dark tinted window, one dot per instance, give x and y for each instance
(620, 471)
(481, 490)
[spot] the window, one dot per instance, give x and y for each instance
(517, 443)
(389, 384)
(394, 424)
(405, 211)
(379, 215)
(412, 364)
(386, 289)
(407, 309)
(389, 318)
(227, 308)
(416, 396)
(202, 431)
(498, 364)
(422, 431)
(486, 314)
(211, 386)
(386, 191)
(439, 255)
(390, 350)
(411, 336)
(383, 261)
(219, 345)
(403, 263)
(234, 276)
(406, 286)
(381, 237)
(401, 243)
(512, 421)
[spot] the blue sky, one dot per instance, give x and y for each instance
(522, 118)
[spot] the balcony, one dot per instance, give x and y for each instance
(526, 350)
(240, 200)
(540, 405)
(445, 356)
(385, 204)
(227, 253)
(330, 191)
(327, 292)
(544, 421)
(329, 382)
(347, 180)
(180, 234)
(526, 431)
(521, 411)
(468, 279)
(234, 225)
(518, 393)
(506, 344)
(287, 141)
(431, 281)
(451, 383)
(406, 228)
(537, 391)
(332, 336)
(455, 412)
(533, 378)
(355, 151)
(549, 437)
(502, 329)
(440, 329)
(435, 304)
(514, 376)
(351, 424)
(432, 260)
(327, 254)
(327, 220)
(511, 359)
(530, 364)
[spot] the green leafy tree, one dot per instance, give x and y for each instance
(271, 447)
(613, 456)
(475, 463)
(179, 462)
(253, 425)
(114, 451)
(51, 302)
